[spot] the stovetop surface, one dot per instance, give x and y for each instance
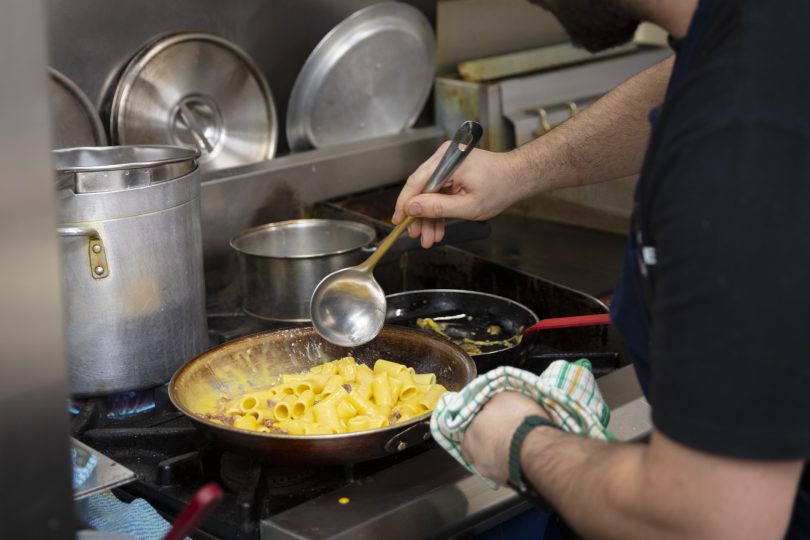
(172, 459)
(144, 432)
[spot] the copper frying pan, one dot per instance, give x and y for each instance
(254, 361)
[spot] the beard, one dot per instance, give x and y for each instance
(594, 25)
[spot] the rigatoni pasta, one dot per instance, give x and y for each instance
(340, 396)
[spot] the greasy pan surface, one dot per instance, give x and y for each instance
(254, 362)
(468, 314)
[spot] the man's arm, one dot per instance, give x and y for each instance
(604, 142)
(663, 490)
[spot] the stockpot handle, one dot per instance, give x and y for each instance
(99, 268)
(407, 438)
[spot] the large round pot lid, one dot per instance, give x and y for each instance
(198, 90)
(74, 120)
(369, 76)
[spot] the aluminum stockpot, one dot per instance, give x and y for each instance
(132, 264)
(281, 263)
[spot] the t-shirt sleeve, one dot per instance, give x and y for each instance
(729, 216)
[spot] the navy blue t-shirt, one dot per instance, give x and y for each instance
(717, 325)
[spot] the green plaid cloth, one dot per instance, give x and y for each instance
(566, 391)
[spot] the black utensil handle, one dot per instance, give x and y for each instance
(456, 231)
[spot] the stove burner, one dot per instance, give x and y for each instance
(119, 406)
(289, 480)
(240, 474)
(127, 404)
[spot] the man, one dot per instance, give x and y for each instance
(714, 287)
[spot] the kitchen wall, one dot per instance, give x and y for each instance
(468, 29)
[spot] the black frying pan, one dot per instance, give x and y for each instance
(476, 316)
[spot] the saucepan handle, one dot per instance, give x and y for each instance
(409, 437)
(99, 268)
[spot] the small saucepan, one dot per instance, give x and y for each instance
(493, 330)
(281, 263)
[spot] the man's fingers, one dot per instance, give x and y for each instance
(416, 182)
(415, 228)
(439, 234)
(441, 205)
(432, 232)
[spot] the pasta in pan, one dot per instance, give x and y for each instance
(340, 396)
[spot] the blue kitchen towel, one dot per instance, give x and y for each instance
(105, 512)
(83, 466)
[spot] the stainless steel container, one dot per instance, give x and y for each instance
(132, 264)
(281, 263)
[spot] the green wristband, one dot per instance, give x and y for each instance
(517, 480)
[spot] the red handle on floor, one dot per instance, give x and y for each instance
(203, 502)
(568, 322)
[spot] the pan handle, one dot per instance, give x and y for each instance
(567, 322)
(405, 439)
(200, 506)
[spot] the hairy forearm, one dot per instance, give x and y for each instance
(593, 484)
(634, 491)
(604, 142)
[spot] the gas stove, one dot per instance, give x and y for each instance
(419, 493)
(172, 461)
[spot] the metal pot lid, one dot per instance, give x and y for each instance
(370, 76)
(74, 120)
(197, 90)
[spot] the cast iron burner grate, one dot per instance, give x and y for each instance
(240, 473)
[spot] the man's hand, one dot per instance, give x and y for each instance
(486, 443)
(604, 142)
(482, 187)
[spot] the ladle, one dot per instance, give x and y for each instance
(348, 306)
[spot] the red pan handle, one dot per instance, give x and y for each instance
(204, 501)
(568, 322)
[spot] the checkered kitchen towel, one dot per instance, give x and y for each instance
(567, 392)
